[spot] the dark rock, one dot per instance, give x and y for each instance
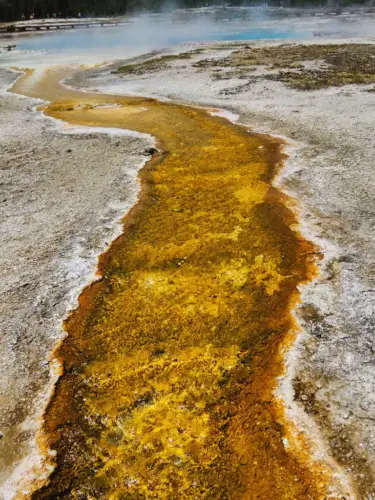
(152, 152)
(158, 352)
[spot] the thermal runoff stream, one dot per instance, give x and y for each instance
(172, 357)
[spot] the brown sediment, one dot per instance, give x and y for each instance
(172, 357)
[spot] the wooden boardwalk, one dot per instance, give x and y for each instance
(15, 28)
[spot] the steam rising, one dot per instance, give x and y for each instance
(145, 32)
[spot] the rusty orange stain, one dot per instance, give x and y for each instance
(172, 357)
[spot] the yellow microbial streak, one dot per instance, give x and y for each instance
(172, 357)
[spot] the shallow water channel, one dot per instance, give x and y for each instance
(172, 356)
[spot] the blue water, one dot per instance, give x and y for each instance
(155, 32)
(150, 32)
(101, 39)
(251, 33)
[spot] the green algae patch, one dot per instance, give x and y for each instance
(303, 67)
(172, 357)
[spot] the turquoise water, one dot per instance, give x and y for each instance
(99, 39)
(159, 31)
(148, 32)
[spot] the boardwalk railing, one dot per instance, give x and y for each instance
(15, 28)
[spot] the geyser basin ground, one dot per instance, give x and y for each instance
(323, 134)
